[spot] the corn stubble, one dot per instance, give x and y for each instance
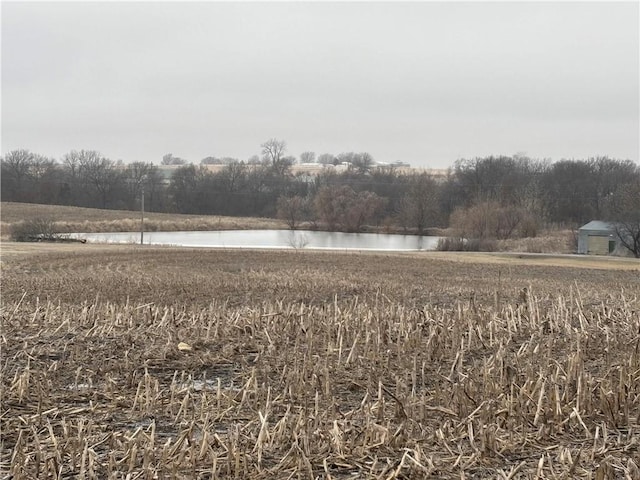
(365, 387)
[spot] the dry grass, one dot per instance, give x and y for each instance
(92, 220)
(551, 241)
(165, 363)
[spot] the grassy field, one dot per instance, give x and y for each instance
(78, 219)
(133, 362)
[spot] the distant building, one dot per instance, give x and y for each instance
(400, 164)
(598, 238)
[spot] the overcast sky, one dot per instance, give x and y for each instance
(421, 82)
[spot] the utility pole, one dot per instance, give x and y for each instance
(142, 215)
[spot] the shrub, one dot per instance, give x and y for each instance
(459, 244)
(491, 220)
(450, 244)
(528, 227)
(34, 230)
(482, 245)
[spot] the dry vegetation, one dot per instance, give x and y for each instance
(93, 220)
(163, 363)
(549, 241)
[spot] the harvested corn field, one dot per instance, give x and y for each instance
(167, 363)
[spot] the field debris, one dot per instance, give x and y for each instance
(370, 380)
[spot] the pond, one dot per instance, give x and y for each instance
(271, 239)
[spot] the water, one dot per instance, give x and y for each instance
(271, 239)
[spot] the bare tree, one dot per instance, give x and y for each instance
(232, 175)
(327, 159)
(362, 209)
(628, 232)
(346, 157)
(330, 204)
(210, 160)
(292, 210)
(170, 159)
(273, 150)
(419, 206)
(273, 154)
(99, 174)
(183, 188)
(307, 157)
(342, 206)
(15, 171)
(627, 224)
(362, 162)
(137, 175)
(45, 180)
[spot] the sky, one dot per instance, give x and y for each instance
(425, 83)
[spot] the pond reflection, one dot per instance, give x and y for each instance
(271, 239)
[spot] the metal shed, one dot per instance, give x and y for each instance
(597, 238)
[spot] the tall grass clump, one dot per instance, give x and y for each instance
(460, 244)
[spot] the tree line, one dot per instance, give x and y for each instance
(489, 197)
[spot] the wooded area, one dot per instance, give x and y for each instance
(491, 197)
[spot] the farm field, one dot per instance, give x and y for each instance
(134, 362)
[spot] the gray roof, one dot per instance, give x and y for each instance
(597, 225)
